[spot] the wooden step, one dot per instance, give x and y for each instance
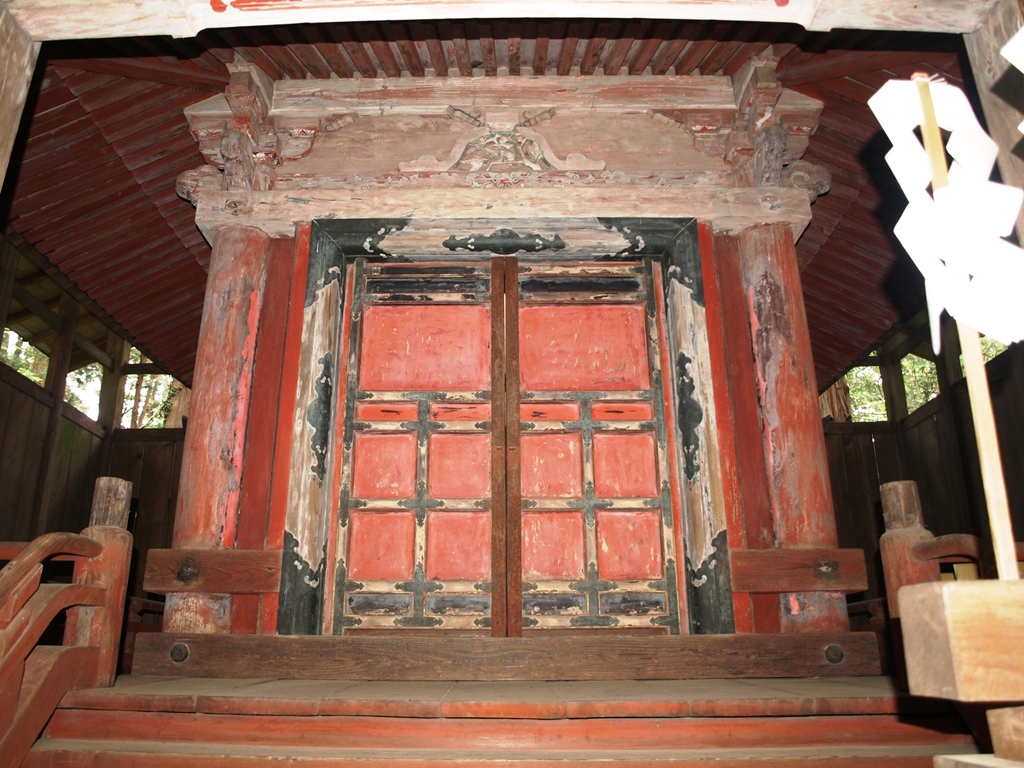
(175, 722)
(59, 753)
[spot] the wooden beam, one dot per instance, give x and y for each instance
(556, 656)
(9, 259)
(18, 55)
(231, 571)
(151, 70)
(962, 639)
(46, 20)
(835, 64)
(279, 211)
(39, 308)
(64, 283)
(798, 570)
(306, 98)
(143, 369)
(1007, 728)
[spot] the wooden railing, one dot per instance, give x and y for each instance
(33, 677)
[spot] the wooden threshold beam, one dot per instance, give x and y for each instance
(558, 656)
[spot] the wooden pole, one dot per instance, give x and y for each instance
(793, 441)
(211, 468)
(56, 384)
(977, 379)
(9, 259)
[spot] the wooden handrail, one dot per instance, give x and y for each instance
(954, 545)
(37, 677)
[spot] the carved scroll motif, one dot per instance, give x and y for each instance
(501, 142)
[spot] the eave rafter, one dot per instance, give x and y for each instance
(61, 19)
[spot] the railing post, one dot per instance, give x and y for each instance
(101, 626)
(901, 508)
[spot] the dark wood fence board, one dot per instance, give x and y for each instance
(560, 656)
(154, 519)
(151, 460)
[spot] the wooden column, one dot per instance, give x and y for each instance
(112, 394)
(17, 61)
(211, 467)
(56, 384)
(9, 259)
(794, 443)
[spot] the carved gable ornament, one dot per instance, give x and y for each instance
(713, 132)
(501, 142)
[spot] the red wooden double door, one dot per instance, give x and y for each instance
(509, 462)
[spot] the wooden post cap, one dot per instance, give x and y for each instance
(111, 502)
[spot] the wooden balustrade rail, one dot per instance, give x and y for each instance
(34, 678)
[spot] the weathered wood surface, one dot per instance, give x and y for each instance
(209, 493)
(798, 570)
(110, 502)
(962, 639)
(794, 444)
(528, 658)
(17, 61)
(107, 18)
(974, 761)
(1007, 728)
(24, 408)
(278, 212)
(232, 571)
(860, 456)
(284, 444)
(151, 460)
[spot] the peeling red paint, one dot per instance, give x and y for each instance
(239, 421)
(781, 3)
(218, 6)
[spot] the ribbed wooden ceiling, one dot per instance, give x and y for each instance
(92, 180)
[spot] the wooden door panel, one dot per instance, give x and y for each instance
(552, 466)
(384, 466)
(414, 541)
(426, 348)
(597, 525)
(553, 546)
(629, 545)
(459, 545)
(583, 347)
(625, 465)
(382, 545)
(459, 467)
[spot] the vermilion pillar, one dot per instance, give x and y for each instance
(211, 467)
(794, 442)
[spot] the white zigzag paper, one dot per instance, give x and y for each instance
(955, 237)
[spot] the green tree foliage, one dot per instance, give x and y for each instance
(920, 381)
(867, 403)
(23, 357)
(148, 399)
